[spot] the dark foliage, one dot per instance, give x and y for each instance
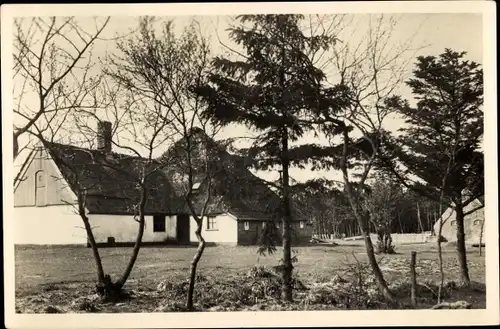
(272, 91)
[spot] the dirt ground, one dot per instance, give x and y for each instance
(62, 279)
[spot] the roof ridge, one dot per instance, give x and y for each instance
(86, 149)
(111, 191)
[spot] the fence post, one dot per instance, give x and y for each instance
(413, 263)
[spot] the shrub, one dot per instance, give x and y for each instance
(442, 239)
(384, 245)
(52, 309)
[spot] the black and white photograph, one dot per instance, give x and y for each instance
(190, 160)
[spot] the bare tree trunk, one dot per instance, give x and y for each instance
(399, 220)
(419, 219)
(138, 241)
(440, 254)
(135, 253)
(428, 214)
(440, 249)
(362, 219)
(16, 146)
(379, 277)
(481, 238)
(388, 248)
(93, 245)
(413, 273)
(194, 265)
(90, 236)
(380, 241)
(461, 250)
(286, 234)
(435, 221)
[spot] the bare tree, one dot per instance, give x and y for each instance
(371, 71)
(381, 204)
(162, 68)
(131, 174)
(194, 158)
(53, 72)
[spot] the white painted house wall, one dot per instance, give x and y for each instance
(124, 228)
(49, 219)
(226, 231)
(48, 225)
(42, 214)
(472, 223)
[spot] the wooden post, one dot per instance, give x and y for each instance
(481, 238)
(413, 278)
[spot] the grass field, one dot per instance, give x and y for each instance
(56, 275)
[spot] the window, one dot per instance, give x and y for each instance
(477, 222)
(40, 179)
(302, 224)
(159, 224)
(212, 223)
(453, 223)
(40, 187)
(247, 225)
(263, 224)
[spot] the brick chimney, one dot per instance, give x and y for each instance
(104, 136)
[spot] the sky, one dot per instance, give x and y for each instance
(424, 34)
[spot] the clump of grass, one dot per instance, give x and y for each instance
(52, 309)
(258, 285)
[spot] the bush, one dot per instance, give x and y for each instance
(257, 285)
(356, 289)
(442, 239)
(52, 309)
(384, 247)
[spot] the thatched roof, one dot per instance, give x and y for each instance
(234, 188)
(111, 180)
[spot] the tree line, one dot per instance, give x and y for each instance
(328, 209)
(159, 86)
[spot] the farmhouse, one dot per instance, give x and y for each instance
(45, 196)
(242, 209)
(473, 223)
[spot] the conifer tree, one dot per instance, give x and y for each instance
(443, 136)
(271, 90)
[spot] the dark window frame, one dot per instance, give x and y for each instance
(212, 223)
(40, 188)
(40, 181)
(159, 223)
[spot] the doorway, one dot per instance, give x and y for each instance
(183, 229)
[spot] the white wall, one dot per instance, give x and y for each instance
(471, 228)
(405, 238)
(48, 225)
(226, 233)
(61, 225)
(124, 228)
